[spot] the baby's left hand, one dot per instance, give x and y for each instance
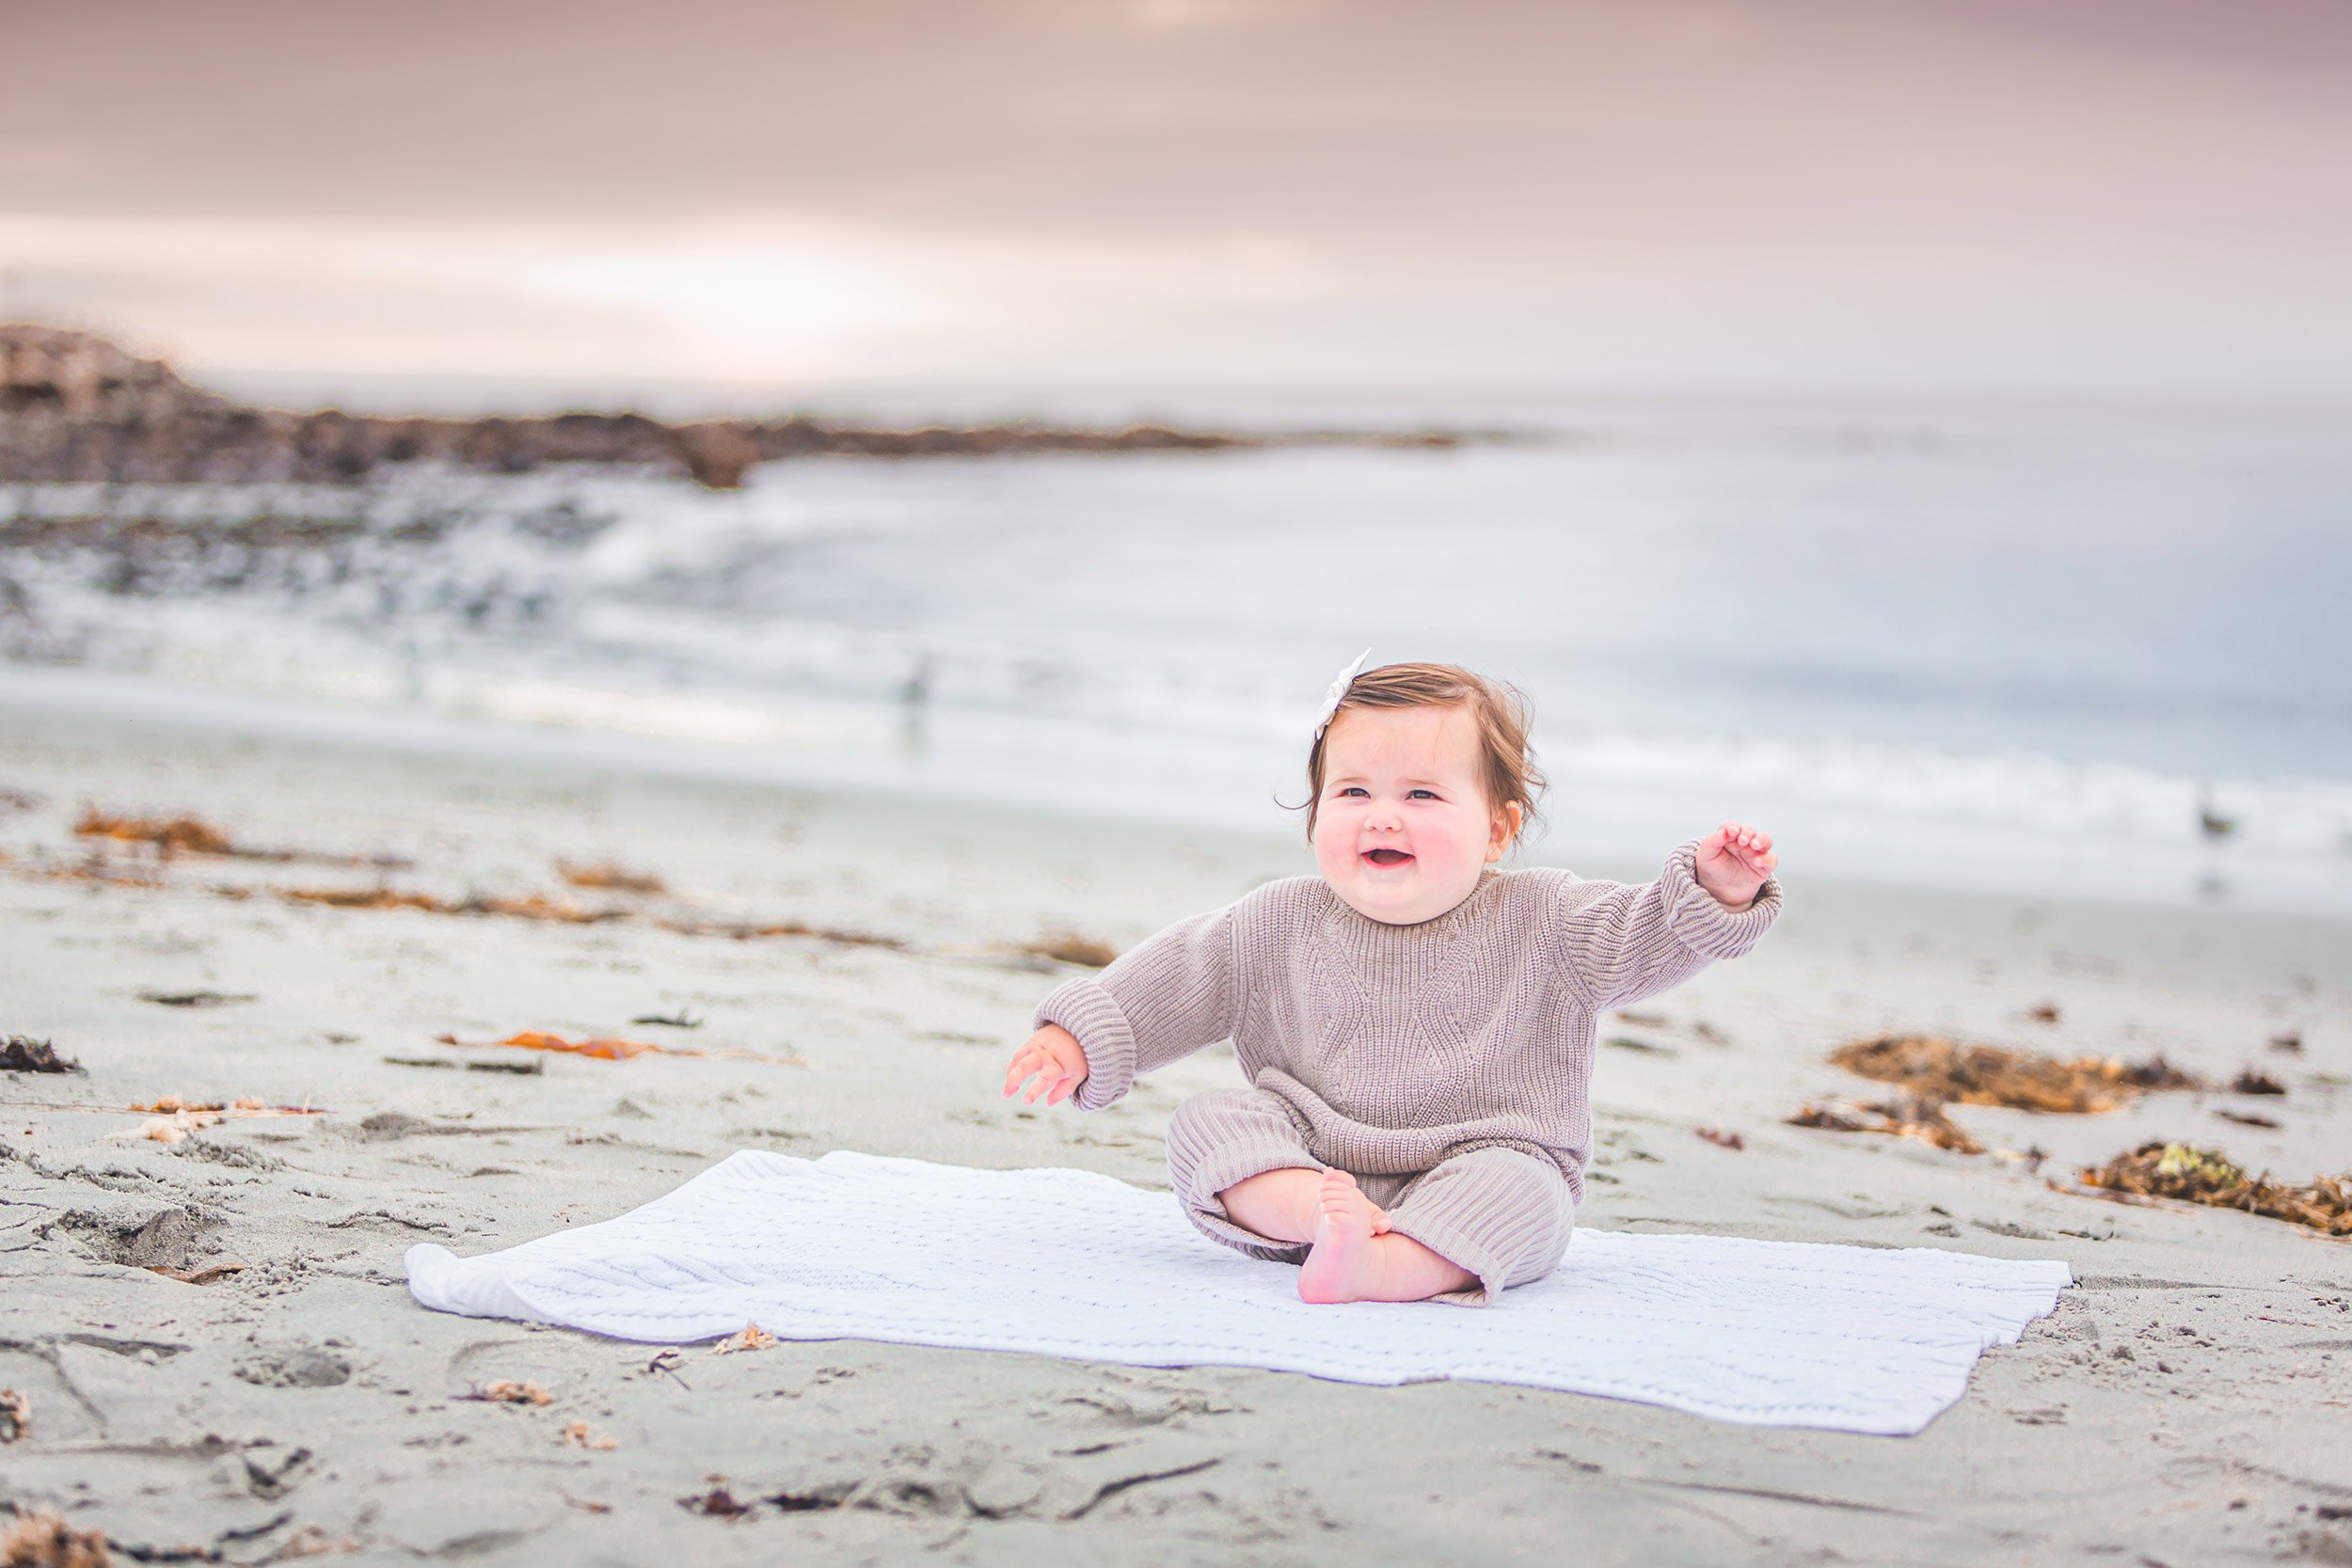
(1733, 861)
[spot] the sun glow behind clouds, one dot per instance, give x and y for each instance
(739, 297)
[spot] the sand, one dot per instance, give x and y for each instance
(2188, 1402)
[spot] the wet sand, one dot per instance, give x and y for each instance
(2186, 1403)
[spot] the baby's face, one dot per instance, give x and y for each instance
(1403, 828)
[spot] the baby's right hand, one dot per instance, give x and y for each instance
(1056, 1061)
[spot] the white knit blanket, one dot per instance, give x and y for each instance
(1072, 1264)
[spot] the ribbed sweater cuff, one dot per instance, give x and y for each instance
(1704, 925)
(1086, 1010)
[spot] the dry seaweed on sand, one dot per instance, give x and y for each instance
(679, 1020)
(23, 1054)
(1721, 1139)
(752, 1337)
(526, 1069)
(717, 1503)
(171, 835)
(2190, 1174)
(607, 1048)
(196, 998)
(40, 1539)
(1904, 1117)
(579, 1434)
(1943, 1069)
(606, 875)
(172, 1117)
(752, 930)
(204, 1274)
(2246, 1120)
(2250, 1082)
(530, 906)
(1068, 947)
(16, 1415)
(506, 1390)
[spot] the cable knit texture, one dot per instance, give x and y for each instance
(1392, 1049)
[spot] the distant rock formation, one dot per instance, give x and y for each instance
(76, 406)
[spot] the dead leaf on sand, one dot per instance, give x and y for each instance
(46, 1541)
(2244, 1118)
(611, 1050)
(608, 875)
(679, 1020)
(579, 1434)
(1905, 1116)
(2291, 1042)
(23, 1054)
(2250, 1082)
(2043, 1012)
(508, 1391)
(1943, 1070)
(2190, 1174)
(1721, 1139)
(16, 1417)
(752, 1337)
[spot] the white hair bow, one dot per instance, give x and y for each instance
(1332, 698)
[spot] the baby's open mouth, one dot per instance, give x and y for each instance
(1386, 857)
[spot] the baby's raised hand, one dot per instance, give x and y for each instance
(1055, 1059)
(1733, 861)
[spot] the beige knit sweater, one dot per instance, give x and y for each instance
(1399, 1045)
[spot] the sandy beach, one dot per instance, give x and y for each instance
(2186, 1403)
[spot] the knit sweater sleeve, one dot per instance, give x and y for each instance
(1178, 991)
(1621, 943)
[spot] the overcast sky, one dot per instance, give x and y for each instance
(1979, 195)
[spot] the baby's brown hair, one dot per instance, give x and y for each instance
(1508, 769)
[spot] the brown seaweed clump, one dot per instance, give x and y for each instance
(607, 875)
(1071, 949)
(173, 836)
(1908, 1115)
(46, 1541)
(23, 1054)
(2191, 1174)
(16, 1416)
(1942, 1070)
(530, 906)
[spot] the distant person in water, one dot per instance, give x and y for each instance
(1417, 1027)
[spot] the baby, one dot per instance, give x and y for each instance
(1417, 1027)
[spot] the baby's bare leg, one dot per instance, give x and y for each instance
(1280, 1205)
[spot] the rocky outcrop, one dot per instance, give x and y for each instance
(76, 406)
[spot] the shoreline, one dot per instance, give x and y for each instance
(953, 761)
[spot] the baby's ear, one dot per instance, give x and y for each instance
(1507, 824)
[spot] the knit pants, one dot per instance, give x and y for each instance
(1500, 1212)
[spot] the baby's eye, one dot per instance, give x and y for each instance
(1423, 795)
(1351, 789)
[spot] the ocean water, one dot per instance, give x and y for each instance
(1950, 646)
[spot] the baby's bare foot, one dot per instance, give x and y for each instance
(1345, 1264)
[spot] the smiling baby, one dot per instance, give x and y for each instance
(1417, 1027)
